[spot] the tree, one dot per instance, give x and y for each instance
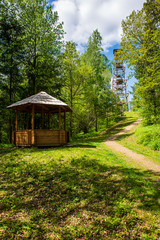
(76, 74)
(30, 51)
(83, 112)
(11, 53)
(135, 102)
(43, 35)
(71, 62)
(141, 49)
(93, 57)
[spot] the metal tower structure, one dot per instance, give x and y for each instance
(119, 82)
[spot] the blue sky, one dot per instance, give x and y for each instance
(82, 17)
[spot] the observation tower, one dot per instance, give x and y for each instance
(119, 82)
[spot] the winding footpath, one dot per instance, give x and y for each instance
(137, 158)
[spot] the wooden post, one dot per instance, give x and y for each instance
(42, 119)
(64, 120)
(27, 127)
(16, 127)
(59, 125)
(65, 126)
(59, 118)
(49, 120)
(33, 117)
(32, 140)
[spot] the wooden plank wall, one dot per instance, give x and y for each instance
(23, 138)
(49, 137)
(41, 137)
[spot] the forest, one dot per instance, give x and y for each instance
(104, 184)
(34, 57)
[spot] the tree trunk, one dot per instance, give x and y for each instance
(71, 112)
(34, 67)
(10, 100)
(71, 101)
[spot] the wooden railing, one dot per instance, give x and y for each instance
(40, 137)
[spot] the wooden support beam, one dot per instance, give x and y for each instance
(65, 126)
(46, 109)
(42, 119)
(16, 126)
(59, 125)
(64, 120)
(33, 117)
(59, 118)
(27, 126)
(32, 137)
(64, 108)
(49, 120)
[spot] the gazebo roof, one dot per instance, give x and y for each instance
(40, 100)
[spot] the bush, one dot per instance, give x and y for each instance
(149, 136)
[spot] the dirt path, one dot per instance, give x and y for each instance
(138, 158)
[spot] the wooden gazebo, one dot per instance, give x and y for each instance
(41, 103)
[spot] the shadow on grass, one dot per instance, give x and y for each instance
(79, 146)
(126, 135)
(105, 134)
(80, 199)
(77, 199)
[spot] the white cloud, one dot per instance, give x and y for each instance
(82, 17)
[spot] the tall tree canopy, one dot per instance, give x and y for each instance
(34, 57)
(141, 49)
(93, 57)
(30, 51)
(42, 42)
(11, 48)
(11, 58)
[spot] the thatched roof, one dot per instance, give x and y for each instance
(40, 100)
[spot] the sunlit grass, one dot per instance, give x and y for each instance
(82, 191)
(149, 136)
(131, 141)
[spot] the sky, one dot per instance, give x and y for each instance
(82, 17)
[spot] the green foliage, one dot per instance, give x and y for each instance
(87, 86)
(76, 75)
(141, 49)
(149, 136)
(135, 102)
(34, 58)
(30, 55)
(98, 91)
(42, 44)
(11, 51)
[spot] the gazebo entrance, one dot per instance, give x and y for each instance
(41, 103)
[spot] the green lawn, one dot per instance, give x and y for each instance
(131, 140)
(79, 192)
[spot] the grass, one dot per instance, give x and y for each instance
(143, 140)
(83, 191)
(92, 132)
(6, 145)
(149, 136)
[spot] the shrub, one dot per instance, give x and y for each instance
(149, 136)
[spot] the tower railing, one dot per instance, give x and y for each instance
(119, 82)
